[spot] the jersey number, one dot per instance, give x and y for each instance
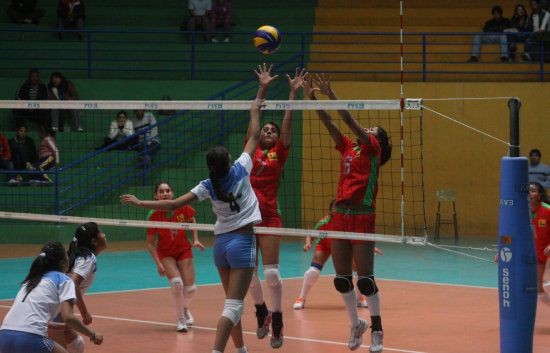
(347, 164)
(262, 167)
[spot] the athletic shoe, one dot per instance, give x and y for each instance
(190, 320)
(356, 334)
(299, 303)
(376, 341)
(13, 182)
(226, 40)
(277, 330)
(214, 40)
(263, 325)
(362, 302)
(182, 325)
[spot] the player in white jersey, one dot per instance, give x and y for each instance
(87, 243)
(46, 292)
(236, 207)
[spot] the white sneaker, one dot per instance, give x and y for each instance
(356, 334)
(226, 40)
(376, 342)
(214, 40)
(182, 325)
(189, 319)
(29, 166)
(299, 304)
(362, 302)
(19, 178)
(12, 181)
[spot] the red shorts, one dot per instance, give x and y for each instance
(540, 246)
(270, 221)
(178, 255)
(324, 246)
(358, 223)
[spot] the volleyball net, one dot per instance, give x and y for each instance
(92, 174)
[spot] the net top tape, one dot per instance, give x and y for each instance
(409, 104)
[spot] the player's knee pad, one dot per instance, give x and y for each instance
(367, 285)
(317, 266)
(546, 287)
(233, 310)
(343, 284)
(272, 275)
(76, 346)
(189, 291)
(176, 284)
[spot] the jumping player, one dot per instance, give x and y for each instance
(320, 257)
(172, 254)
(268, 161)
(45, 292)
(237, 211)
(355, 212)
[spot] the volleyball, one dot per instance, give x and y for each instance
(267, 39)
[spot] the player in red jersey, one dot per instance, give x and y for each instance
(540, 211)
(320, 257)
(268, 162)
(355, 212)
(172, 254)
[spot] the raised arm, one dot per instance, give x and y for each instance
(295, 84)
(323, 115)
(254, 127)
(356, 128)
(168, 205)
(265, 79)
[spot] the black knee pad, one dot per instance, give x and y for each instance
(343, 284)
(367, 285)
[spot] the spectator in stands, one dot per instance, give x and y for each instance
(539, 24)
(25, 11)
(120, 129)
(518, 25)
(147, 140)
(48, 156)
(494, 25)
(199, 16)
(59, 88)
(221, 16)
(23, 151)
(538, 171)
(70, 14)
(32, 89)
(5, 159)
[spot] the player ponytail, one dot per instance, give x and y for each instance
(82, 245)
(218, 162)
(51, 258)
(385, 145)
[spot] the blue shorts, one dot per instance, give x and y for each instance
(235, 250)
(24, 342)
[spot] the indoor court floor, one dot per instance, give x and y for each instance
(433, 301)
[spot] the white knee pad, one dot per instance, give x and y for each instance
(233, 310)
(189, 291)
(546, 287)
(76, 346)
(272, 275)
(176, 283)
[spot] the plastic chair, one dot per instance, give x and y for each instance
(445, 195)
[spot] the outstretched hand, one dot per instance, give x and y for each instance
(324, 84)
(129, 199)
(264, 75)
(298, 81)
(309, 90)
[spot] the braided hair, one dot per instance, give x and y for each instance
(50, 259)
(385, 145)
(82, 245)
(218, 162)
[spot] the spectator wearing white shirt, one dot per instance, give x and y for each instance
(199, 16)
(539, 23)
(149, 140)
(120, 129)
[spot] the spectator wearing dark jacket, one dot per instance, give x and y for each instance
(25, 11)
(495, 25)
(70, 14)
(539, 23)
(221, 16)
(32, 89)
(23, 151)
(59, 88)
(518, 24)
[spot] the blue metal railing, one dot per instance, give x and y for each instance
(150, 54)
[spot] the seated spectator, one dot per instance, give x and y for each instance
(70, 14)
(23, 151)
(494, 25)
(60, 88)
(25, 11)
(539, 23)
(221, 16)
(120, 129)
(151, 141)
(48, 156)
(32, 89)
(5, 159)
(519, 25)
(199, 16)
(538, 172)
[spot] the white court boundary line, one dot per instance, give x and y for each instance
(244, 332)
